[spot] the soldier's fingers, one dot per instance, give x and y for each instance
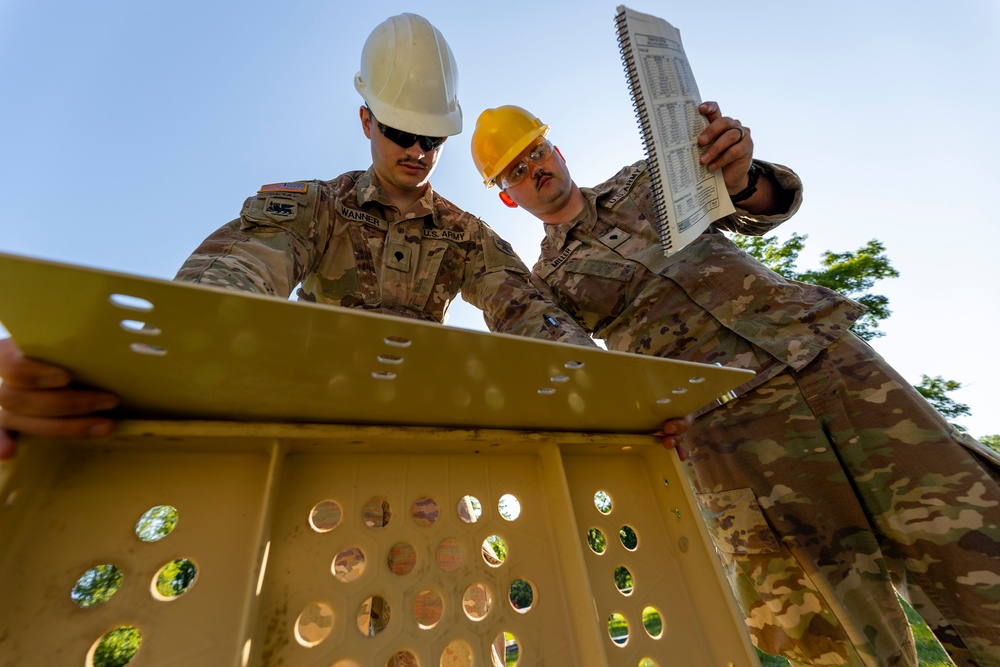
(82, 427)
(19, 371)
(67, 402)
(732, 146)
(710, 110)
(8, 445)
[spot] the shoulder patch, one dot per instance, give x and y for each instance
(284, 187)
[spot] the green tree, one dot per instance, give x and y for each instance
(853, 274)
(935, 390)
(991, 441)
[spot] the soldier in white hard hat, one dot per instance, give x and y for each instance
(379, 239)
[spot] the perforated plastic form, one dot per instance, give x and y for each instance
(189, 351)
(356, 546)
(426, 521)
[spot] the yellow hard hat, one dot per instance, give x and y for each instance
(501, 134)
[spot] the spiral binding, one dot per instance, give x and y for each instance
(645, 130)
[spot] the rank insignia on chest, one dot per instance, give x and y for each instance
(280, 208)
(615, 238)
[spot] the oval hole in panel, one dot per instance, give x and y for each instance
(135, 326)
(128, 302)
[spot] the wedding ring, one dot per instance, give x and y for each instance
(742, 134)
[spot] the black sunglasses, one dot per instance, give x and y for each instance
(406, 139)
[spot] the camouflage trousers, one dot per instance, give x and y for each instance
(826, 486)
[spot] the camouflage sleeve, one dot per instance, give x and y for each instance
(742, 222)
(266, 250)
(498, 283)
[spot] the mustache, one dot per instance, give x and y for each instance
(539, 175)
(411, 162)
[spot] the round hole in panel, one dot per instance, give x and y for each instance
(546, 391)
(652, 622)
(598, 543)
(559, 378)
(663, 401)
(470, 509)
(574, 365)
(509, 507)
(476, 601)
(618, 629)
(402, 558)
(425, 511)
(697, 379)
(377, 512)
(116, 648)
(325, 516)
(383, 375)
(494, 551)
(602, 501)
(174, 579)
(506, 651)
(450, 555)
(623, 580)
(628, 537)
(402, 659)
(314, 624)
(373, 616)
(457, 653)
(522, 595)
(397, 341)
(679, 390)
(96, 585)
(156, 523)
(348, 564)
(428, 608)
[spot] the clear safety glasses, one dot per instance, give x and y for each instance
(519, 171)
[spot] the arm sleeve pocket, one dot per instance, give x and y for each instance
(736, 523)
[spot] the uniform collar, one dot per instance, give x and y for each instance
(558, 235)
(368, 191)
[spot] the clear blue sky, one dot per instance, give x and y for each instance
(130, 130)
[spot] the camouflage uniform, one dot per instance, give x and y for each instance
(348, 246)
(829, 475)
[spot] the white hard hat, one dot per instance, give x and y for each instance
(409, 78)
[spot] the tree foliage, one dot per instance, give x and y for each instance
(853, 274)
(935, 390)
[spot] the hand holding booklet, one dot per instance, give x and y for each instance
(666, 99)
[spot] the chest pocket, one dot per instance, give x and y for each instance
(597, 289)
(601, 268)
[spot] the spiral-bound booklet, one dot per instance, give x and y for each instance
(665, 96)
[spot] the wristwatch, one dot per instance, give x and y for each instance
(753, 175)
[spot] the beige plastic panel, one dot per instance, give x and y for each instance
(180, 350)
(318, 499)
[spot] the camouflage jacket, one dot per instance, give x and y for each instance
(343, 243)
(708, 302)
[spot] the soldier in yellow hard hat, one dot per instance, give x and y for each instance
(825, 458)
